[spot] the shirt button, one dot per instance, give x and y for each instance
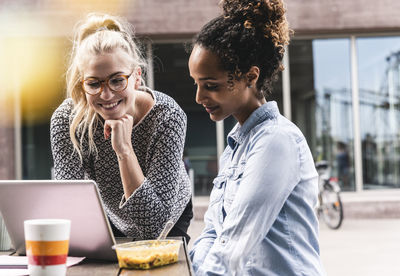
(223, 241)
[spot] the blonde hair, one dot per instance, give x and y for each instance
(97, 34)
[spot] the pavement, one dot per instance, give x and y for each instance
(360, 247)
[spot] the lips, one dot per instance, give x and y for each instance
(111, 105)
(211, 109)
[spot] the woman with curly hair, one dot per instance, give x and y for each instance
(260, 220)
(125, 136)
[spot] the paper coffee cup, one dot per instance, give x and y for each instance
(47, 242)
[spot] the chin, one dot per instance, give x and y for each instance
(217, 118)
(110, 116)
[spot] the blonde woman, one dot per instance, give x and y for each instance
(126, 137)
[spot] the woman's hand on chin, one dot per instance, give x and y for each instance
(120, 131)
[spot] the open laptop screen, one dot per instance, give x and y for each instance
(76, 200)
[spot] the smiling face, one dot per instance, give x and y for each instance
(109, 104)
(216, 93)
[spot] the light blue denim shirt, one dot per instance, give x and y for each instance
(261, 220)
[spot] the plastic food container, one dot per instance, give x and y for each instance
(147, 254)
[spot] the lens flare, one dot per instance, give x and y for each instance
(34, 46)
(32, 76)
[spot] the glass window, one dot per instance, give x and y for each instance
(171, 76)
(276, 94)
(378, 71)
(36, 152)
(322, 103)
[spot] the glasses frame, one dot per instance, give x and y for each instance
(105, 82)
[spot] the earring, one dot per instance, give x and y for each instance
(249, 86)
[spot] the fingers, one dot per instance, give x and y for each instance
(107, 130)
(128, 117)
(109, 125)
(125, 122)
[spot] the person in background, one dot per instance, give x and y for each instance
(123, 135)
(343, 164)
(260, 219)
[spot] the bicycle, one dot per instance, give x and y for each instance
(329, 206)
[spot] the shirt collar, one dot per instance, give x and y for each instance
(265, 112)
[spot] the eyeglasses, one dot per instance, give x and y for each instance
(116, 83)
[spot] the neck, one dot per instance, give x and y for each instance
(143, 103)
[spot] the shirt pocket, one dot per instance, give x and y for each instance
(217, 191)
(232, 185)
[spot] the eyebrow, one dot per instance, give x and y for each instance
(109, 76)
(207, 78)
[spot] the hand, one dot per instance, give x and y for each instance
(120, 131)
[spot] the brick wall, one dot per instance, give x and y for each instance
(341, 16)
(7, 170)
(172, 18)
(183, 17)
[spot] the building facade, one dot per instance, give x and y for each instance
(340, 86)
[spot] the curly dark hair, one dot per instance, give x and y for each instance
(249, 33)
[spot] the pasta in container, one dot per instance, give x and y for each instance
(147, 254)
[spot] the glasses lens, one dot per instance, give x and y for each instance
(118, 83)
(92, 86)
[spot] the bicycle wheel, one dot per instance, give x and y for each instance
(331, 208)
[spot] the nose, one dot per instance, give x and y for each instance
(106, 94)
(200, 95)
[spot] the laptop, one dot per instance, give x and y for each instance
(77, 200)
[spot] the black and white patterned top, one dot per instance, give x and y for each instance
(158, 142)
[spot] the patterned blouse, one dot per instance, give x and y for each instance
(158, 141)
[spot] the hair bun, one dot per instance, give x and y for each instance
(111, 25)
(266, 16)
(97, 22)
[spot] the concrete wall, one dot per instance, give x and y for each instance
(373, 206)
